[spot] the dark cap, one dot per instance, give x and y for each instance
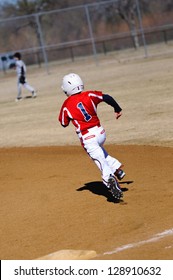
(18, 55)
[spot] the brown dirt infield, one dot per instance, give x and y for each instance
(52, 197)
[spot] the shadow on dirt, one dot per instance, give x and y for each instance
(28, 96)
(99, 188)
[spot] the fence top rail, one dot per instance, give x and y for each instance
(100, 39)
(59, 10)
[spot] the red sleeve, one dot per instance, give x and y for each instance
(64, 116)
(96, 96)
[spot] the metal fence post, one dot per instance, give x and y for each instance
(42, 43)
(141, 27)
(91, 34)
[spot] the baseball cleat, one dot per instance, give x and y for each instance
(119, 173)
(114, 187)
(18, 99)
(34, 95)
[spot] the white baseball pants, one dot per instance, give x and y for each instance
(93, 142)
(25, 85)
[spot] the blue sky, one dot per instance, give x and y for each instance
(7, 1)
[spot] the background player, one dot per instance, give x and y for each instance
(81, 108)
(21, 74)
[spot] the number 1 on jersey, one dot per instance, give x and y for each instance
(83, 111)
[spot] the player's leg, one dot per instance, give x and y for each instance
(19, 91)
(93, 149)
(108, 178)
(91, 143)
(116, 167)
(114, 164)
(30, 88)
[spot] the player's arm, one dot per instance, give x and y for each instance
(63, 117)
(111, 101)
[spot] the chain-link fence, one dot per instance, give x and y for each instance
(85, 30)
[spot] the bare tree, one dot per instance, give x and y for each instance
(127, 11)
(108, 14)
(30, 7)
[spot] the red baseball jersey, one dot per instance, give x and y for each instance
(81, 109)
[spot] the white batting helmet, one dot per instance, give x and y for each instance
(72, 84)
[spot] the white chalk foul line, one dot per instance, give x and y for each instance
(155, 238)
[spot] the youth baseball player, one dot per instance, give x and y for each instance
(81, 109)
(21, 74)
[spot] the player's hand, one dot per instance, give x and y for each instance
(22, 79)
(118, 115)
